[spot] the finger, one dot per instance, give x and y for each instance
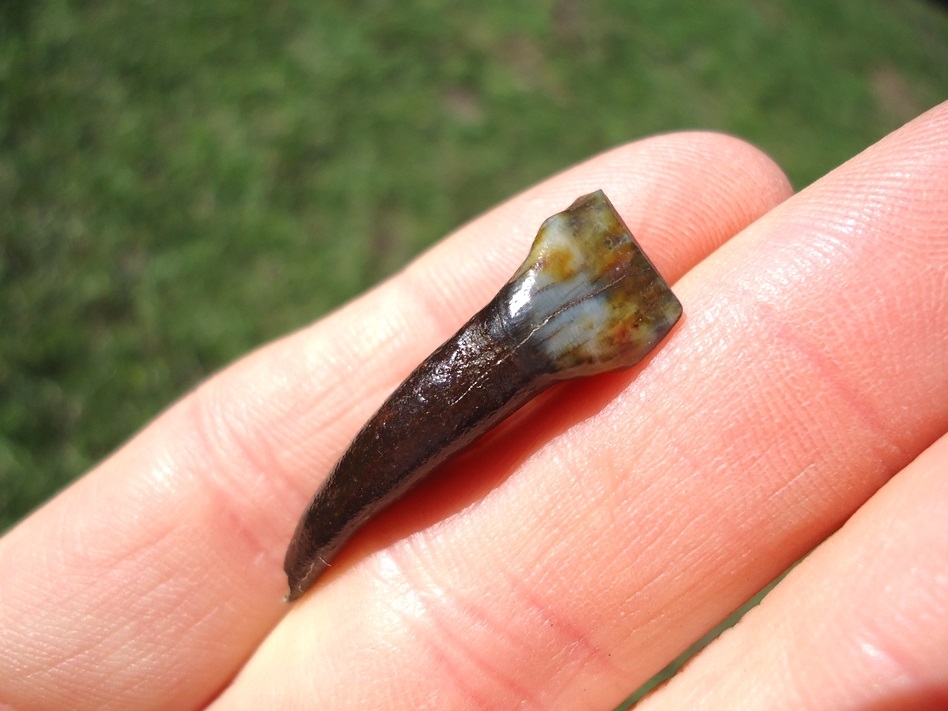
(631, 513)
(860, 624)
(164, 565)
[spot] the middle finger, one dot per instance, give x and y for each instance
(805, 374)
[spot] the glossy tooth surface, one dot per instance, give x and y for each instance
(586, 300)
(587, 297)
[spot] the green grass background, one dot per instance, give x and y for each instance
(180, 182)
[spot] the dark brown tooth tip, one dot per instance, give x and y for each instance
(586, 300)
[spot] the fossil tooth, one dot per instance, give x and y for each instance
(586, 300)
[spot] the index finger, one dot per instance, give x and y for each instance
(150, 581)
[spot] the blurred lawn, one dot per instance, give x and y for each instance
(179, 183)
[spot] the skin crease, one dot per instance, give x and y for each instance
(581, 547)
(887, 653)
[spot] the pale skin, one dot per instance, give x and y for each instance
(570, 555)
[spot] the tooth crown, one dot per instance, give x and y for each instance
(587, 298)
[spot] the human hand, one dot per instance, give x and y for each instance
(581, 546)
